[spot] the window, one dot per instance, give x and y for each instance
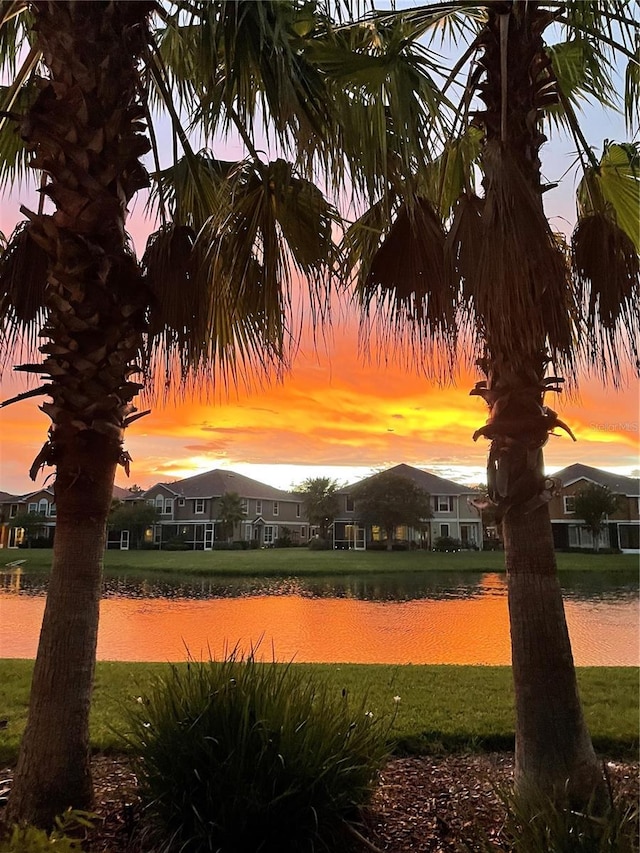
(349, 503)
(258, 507)
(276, 508)
(444, 503)
(160, 503)
(43, 507)
(13, 511)
(297, 510)
(574, 536)
(244, 503)
(32, 507)
(168, 506)
(198, 506)
(569, 502)
(303, 532)
(444, 530)
(53, 510)
(180, 501)
(270, 534)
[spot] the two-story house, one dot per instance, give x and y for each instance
(189, 511)
(41, 502)
(622, 528)
(452, 514)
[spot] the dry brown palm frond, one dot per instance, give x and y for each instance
(515, 275)
(607, 270)
(23, 281)
(409, 290)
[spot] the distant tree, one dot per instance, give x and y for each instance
(135, 489)
(593, 504)
(30, 522)
(390, 500)
(134, 517)
(231, 513)
(320, 501)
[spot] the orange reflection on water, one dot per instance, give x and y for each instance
(472, 630)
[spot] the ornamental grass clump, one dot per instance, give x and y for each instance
(240, 756)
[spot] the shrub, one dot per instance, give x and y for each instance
(242, 756)
(446, 543)
(318, 544)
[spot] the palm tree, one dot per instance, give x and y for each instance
(212, 300)
(321, 502)
(231, 511)
(457, 273)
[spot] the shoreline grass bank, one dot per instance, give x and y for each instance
(304, 562)
(437, 708)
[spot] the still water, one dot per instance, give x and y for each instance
(436, 618)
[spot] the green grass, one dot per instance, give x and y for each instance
(440, 707)
(301, 562)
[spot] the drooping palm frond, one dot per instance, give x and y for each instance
(613, 187)
(225, 281)
(514, 274)
(605, 246)
(15, 100)
(408, 290)
(23, 280)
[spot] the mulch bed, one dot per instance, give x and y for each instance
(431, 804)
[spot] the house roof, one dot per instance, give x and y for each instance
(5, 497)
(215, 483)
(431, 483)
(123, 494)
(617, 483)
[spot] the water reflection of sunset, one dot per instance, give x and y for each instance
(426, 631)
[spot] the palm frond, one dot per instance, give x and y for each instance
(582, 74)
(515, 275)
(15, 100)
(408, 289)
(607, 270)
(23, 282)
(14, 25)
(613, 188)
(632, 88)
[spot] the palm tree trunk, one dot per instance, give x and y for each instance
(83, 131)
(53, 770)
(554, 753)
(523, 280)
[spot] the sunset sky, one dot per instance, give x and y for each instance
(336, 413)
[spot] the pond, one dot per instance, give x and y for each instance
(399, 618)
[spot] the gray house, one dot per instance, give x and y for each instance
(189, 511)
(452, 514)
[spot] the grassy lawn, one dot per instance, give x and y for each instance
(441, 708)
(300, 562)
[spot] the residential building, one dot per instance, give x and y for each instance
(453, 515)
(621, 529)
(189, 512)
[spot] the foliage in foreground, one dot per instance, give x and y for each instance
(240, 756)
(31, 839)
(540, 824)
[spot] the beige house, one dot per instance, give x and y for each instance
(622, 528)
(189, 512)
(452, 515)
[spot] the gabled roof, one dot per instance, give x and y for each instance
(431, 483)
(121, 494)
(617, 483)
(5, 497)
(213, 484)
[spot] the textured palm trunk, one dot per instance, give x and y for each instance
(554, 754)
(84, 133)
